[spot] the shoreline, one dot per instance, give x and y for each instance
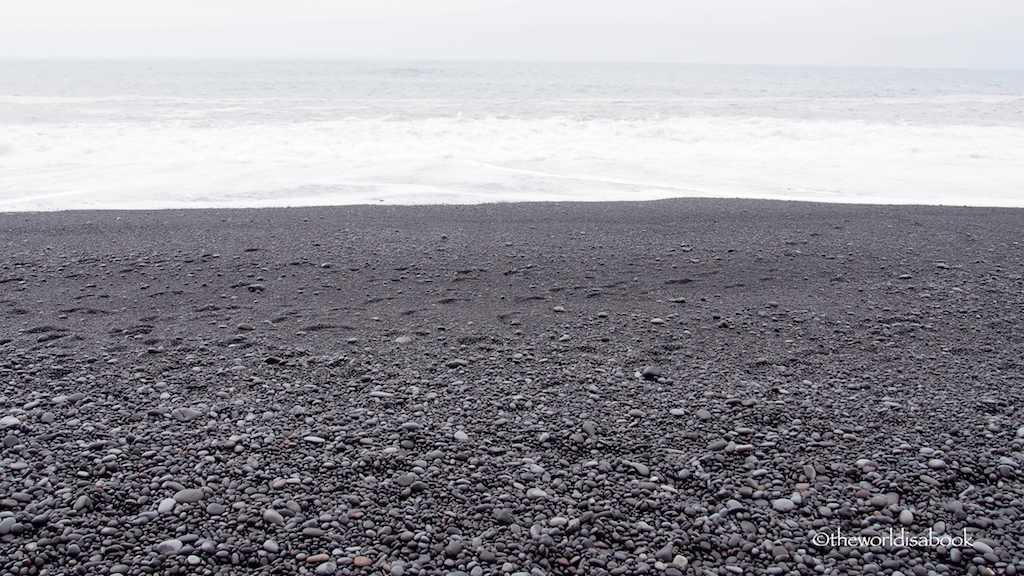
(661, 387)
(796, 200)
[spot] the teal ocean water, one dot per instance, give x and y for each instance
(175, 134)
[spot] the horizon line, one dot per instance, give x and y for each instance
(481, 61)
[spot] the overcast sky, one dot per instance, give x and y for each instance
(917, 33)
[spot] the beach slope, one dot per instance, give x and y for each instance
(595, 388)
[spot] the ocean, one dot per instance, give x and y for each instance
(214, 133)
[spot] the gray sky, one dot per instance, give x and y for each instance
(919, 33)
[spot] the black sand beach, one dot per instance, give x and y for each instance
(676, 387)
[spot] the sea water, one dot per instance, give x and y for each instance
(215, 133)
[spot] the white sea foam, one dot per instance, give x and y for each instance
(134, 135)
(358, 160)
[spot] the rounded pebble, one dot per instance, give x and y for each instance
(188, 495)
(783, 505)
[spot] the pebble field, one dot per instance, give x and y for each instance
(686, 387)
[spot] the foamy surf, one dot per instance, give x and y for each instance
(220, 143)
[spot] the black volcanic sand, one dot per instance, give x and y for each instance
(679, 387)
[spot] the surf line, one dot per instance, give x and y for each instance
(44, 196)
(585, 178)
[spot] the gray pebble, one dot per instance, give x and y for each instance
(810, 472)
(326, 569)
(536, 494)
(981, 547)
(665, 553)
(271, 516)
(503, 516)
(82, 503)
(641, 469)
(783, 505)
(453, 548)
(185, 414)
(188, 495)
(169, 547)
(208, 546)
(717, 445)
(166, 505)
